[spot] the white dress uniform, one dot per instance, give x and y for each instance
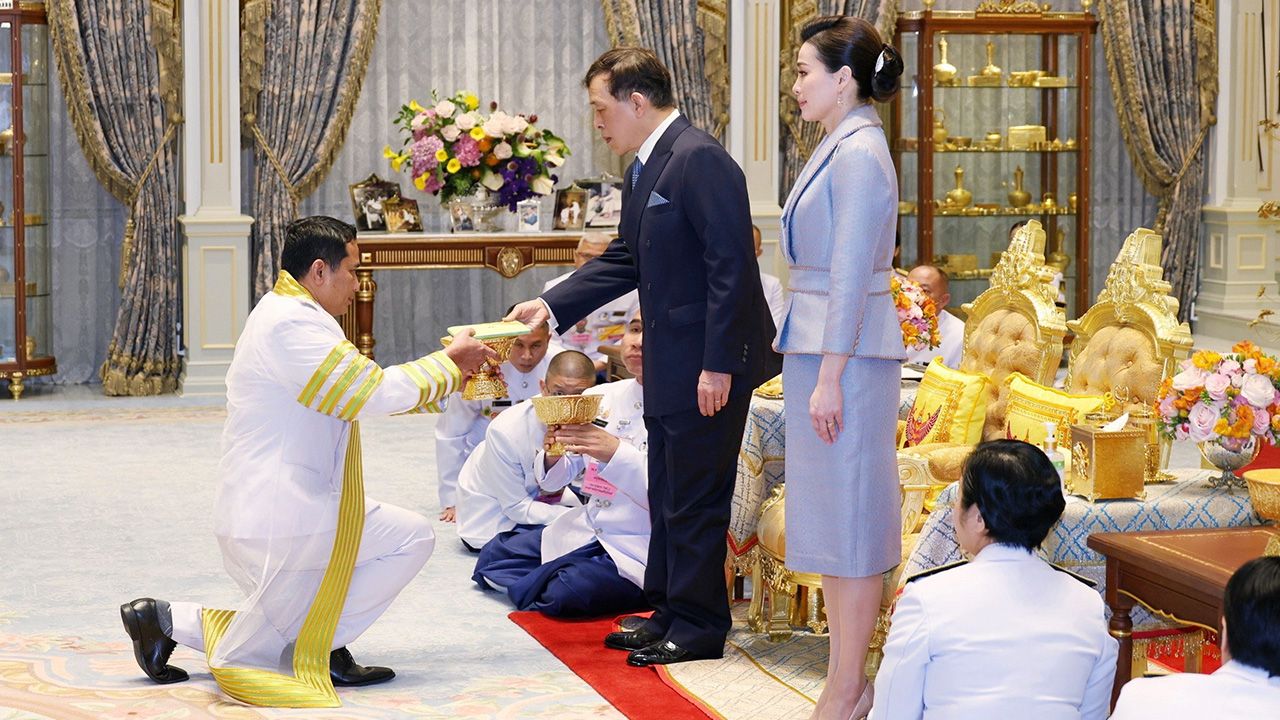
(605, 326)
(498, 485)
(1235, 692)
(621, 522)
(773, 295)
(295, 529)
(951, 332)
(1006, 635)
(461, 427)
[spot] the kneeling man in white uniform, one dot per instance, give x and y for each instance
(461, 428)
(591, 559)
(498, 487)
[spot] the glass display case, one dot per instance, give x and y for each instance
(26, 308)
(992, 129)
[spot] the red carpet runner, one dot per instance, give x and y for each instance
(638, 693)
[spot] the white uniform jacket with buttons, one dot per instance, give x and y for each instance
(1006, 635)
(1235, 692)
(605, 326)
(461, 427)
(620, 523)
(498, 484)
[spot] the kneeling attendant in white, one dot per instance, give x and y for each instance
(1247, 686)
(1005, 635)
(460, 429)
(591, 559)
(318, 560)
(498, 486)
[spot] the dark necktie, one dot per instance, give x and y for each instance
(636, 167)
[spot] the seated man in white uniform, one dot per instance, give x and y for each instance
(1247, 686)
(498, 487)
(317, 561)
(607, 324)
(771, 284)
(591, 559)
(461, 428)
(937, 285)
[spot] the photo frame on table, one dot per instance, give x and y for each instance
(604, 200)
(571, 208)
(368, 198)
(402, 215)
(529, 215)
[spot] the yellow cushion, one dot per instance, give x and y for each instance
(1032, 404)
(1002, 342)
(950, 407)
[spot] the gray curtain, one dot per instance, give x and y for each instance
(1162, 60)
(121, 57)
(303, 68)
(530, 57)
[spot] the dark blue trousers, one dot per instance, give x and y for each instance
(582, 583)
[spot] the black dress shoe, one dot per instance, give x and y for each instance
(151, 648)
(633, 640)
(662, 653)
(344, 671)
(631, 623)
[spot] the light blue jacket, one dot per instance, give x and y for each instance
(837, 237)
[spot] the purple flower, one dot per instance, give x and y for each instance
(467, 150)
(424, 154)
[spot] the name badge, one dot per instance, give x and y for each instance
(593, 484)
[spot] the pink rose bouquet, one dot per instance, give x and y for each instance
(916, 314)
(1223, 397)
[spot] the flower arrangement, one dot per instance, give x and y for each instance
(916, 313)
(1223, 397)
(451, 150)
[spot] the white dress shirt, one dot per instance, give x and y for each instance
(1004, 636)
(605, 326)
(773, 295)
(461, 428)
(951, 332)
(1235, 692)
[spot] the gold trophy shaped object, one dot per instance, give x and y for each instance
(1018, 197)
(959, 197)
(486, 383)
(565, 410)
(944, 72)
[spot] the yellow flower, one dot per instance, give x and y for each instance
(442, 155)
(397, 159)
(1206, 359)
(453, 166)
(477, 133)
(471, 100)
(416, 107)
(420, 182)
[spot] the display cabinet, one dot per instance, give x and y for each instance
(992, 128)
(26, 311)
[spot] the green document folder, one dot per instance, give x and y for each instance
(493, 330)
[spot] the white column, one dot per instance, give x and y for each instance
(215, 258)
(753, 113)
(1239, 252)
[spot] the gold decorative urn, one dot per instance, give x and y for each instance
(487, 383)
(944, 71)
(1018, 197)
(959, 197)
(565, 410)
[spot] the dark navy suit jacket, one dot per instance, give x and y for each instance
(685, 242)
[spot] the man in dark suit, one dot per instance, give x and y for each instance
(685, 242)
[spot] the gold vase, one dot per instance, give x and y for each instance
(1229, 455)
(991, 69)
(565, 410)
(486, 383)
(944, 72)
(1018, 197)
(939, 129)
(959, 197)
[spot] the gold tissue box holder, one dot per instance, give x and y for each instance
(565, 410)
(1107, 465)
(1025, 137)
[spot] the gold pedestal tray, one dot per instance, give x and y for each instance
(487, 383)
(565, 410)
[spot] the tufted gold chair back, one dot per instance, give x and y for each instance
(1130, 340)
(1015, 325)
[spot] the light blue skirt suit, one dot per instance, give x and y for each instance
(838, 231)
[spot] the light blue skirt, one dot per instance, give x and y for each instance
(843, 501)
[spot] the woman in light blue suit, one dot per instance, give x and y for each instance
(843, 346)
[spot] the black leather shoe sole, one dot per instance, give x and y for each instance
(151, 649)
(634, 640)
(372, 675)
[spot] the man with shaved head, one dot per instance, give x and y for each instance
(607, 323)
(498, 487)
(937, 285)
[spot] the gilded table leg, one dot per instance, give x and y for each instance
(365, 293)
(755, 611)
(1121, 628)
(15, 385)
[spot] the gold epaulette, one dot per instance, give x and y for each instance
(1077, 576)
(936, 570)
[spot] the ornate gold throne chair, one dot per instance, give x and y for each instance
(1130, 340)
(1013, 326)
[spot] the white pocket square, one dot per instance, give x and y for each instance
(655, 200)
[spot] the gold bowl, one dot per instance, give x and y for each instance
(486, 383)
(1264, 492)
(565, 410)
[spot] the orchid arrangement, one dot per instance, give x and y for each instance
(451, 150)
(916, 313)
(1223, 397)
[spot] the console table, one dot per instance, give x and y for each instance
(507, 254)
